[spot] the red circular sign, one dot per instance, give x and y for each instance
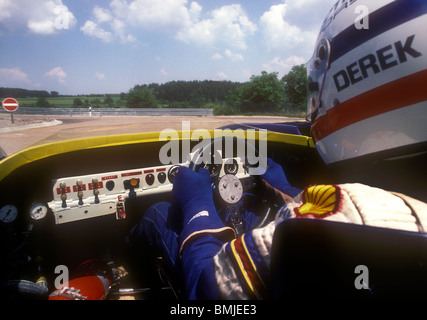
(10, 104)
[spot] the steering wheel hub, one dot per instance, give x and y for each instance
(230, 189)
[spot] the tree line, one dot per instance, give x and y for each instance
(180, 94)
(264, 93)
(25, 93)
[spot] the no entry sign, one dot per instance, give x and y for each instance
(10, 104)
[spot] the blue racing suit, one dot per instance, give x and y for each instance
(214, 264)
(189, 233)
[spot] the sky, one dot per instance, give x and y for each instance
(109, 46)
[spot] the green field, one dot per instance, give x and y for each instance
(68, 101)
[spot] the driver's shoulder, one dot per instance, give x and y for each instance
(360, 204)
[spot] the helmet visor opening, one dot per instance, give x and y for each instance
(316, 72)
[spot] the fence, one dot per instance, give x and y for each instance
(99, 112)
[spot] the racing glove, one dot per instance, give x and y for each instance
(275, 180)
(193, 199)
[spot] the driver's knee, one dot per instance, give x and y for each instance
(158, 212)
(157, 227)
(161, 220)
(149, 226)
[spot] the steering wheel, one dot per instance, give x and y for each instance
(229, 183)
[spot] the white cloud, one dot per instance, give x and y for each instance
(38, 16)
(42, 27)
(278, 33)
(233, 55)
(228, 25)
(13, 75)
(315, 9)
(6, 9)
(293, 26)
(221, 75)
(160, 15)
(104, 20)
(102, 15)
(195, 11)
(119, 30)
(90, 28)
(100, 75)
(163, 72)
(283, 65)
(57, 73)
(216, 56)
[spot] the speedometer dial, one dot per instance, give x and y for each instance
(38, 211)
(8, 213)
(231, 167)
(214, 169)
(172, 173)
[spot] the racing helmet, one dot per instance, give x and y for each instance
(367, 80)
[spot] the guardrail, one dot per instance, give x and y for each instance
(99, 112)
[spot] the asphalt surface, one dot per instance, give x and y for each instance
(31, 130)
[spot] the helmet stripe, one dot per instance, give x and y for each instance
(382, 20)
(400, 93)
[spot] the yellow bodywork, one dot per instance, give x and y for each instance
(39, 152)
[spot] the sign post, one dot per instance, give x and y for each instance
(10, 105)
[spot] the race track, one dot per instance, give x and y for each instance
(15, 137)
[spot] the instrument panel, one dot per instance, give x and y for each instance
(79, 197)
(82, 197)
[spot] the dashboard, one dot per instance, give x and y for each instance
(88, 196)
(81, 197)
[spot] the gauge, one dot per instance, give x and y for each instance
(214, 169)
(231, 166)
(8, 213)
(38, 211)
(172, 173)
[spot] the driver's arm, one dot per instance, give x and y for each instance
(203, 233)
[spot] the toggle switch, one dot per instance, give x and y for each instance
(79, 185)
(134, 182)
(64, 200)
(95, 189)
(63, 188)
(80, 196)
(130, 185)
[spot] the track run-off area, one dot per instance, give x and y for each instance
(29, 130)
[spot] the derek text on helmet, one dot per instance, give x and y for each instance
(367, 86)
